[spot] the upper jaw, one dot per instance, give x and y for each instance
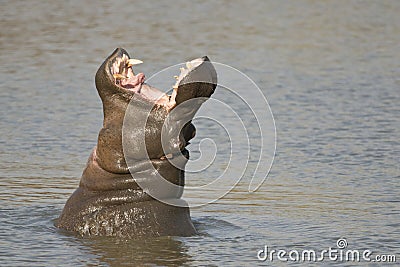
(121, 74)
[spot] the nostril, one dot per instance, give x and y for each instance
(188, 131)
(182, 145)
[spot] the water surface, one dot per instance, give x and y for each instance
(330, 71)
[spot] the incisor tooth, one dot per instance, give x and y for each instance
(133, 61)
(188, 65)
(176, 77)
(119, 76)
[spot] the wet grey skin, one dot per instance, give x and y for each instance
(109, 201)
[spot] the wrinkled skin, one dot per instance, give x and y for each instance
(109, 200)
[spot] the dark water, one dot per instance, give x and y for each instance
(330, 71)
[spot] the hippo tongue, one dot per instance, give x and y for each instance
(133, 82)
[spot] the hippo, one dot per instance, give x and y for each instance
(133, 180)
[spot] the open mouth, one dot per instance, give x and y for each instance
(124, 77)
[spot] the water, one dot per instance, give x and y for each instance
(330, 71)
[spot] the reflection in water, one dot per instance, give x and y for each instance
(160, 251)
(329, 70)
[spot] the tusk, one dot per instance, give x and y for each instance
(133, 61)
(168, 156)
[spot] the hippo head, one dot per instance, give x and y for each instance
(143, 125)
(133, 181)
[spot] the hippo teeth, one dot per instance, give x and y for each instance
(168, 156)
(131, 62)
(122, 67)
(190, 65)
(124, 77)
(118, 76)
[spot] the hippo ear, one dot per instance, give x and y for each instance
(199, 82)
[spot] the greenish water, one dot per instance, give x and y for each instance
(329, 69)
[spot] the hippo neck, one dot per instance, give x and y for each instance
(97, 179)
(145, 129)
